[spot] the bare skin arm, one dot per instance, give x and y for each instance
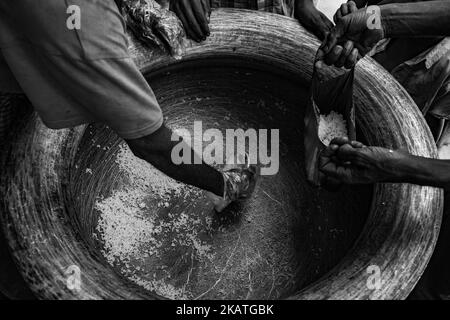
(427, 18)
(397, 20)
(157, 150)
(194, 14)
(312, 19)
(424, 171)
(354, 163)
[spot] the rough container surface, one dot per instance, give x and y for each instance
(49, 221)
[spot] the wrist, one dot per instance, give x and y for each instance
(374, 20)
(416, 170)
(398, 167)
(304, 4)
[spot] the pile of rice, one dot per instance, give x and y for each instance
(135, 238)
(332, 126)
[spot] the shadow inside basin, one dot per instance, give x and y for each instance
(165, 236)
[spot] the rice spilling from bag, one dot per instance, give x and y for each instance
(332, 126)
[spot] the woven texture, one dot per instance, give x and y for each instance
(284, 7)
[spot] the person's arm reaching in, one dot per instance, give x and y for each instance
(365, 28)
(310, 17)
(351, 162)
(194, 14)
(224, 187)
(427, 18)
(157, 150)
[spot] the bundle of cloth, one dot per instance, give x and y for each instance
(154, 24)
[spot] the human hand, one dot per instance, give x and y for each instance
(352, 162)
(194, 14)
(355, 34)
(312, 19)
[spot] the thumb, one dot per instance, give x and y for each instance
(332, 39)
(347, 153)
(320, 56)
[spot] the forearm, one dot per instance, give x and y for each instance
(418, 19)
(157, 149)
(362, 3)
(300, 3)
(421, 171)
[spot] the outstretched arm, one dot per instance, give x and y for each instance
(354, 163)
(425, 18)
(425, 171)
(362, 29)
(157, 150)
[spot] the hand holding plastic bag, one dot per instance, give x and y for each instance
(331, 90)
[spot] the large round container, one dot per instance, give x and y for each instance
(289, 240)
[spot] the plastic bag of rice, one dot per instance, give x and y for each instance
(332, 126)
(329, 114)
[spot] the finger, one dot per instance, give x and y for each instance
(324, 44)
(321, 26)
(333, 148)
(193, 24)
(336, 160)
(333, 56)
(322, 30)
(324, 160)
(345, 55)
(326, 156)
(347, 153)
(328, 24)
(319, 57)
(329, 151)
(329, 42)
(352, 7)
(333, 38)
(339, 29)
(340, 141)
(352, 59)
(357, 144)
(326, 165)
(201, 16)
(207, 8)
(344, 10)
(337, 16)
(334, 172)
(344, 174)
(187, 26)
